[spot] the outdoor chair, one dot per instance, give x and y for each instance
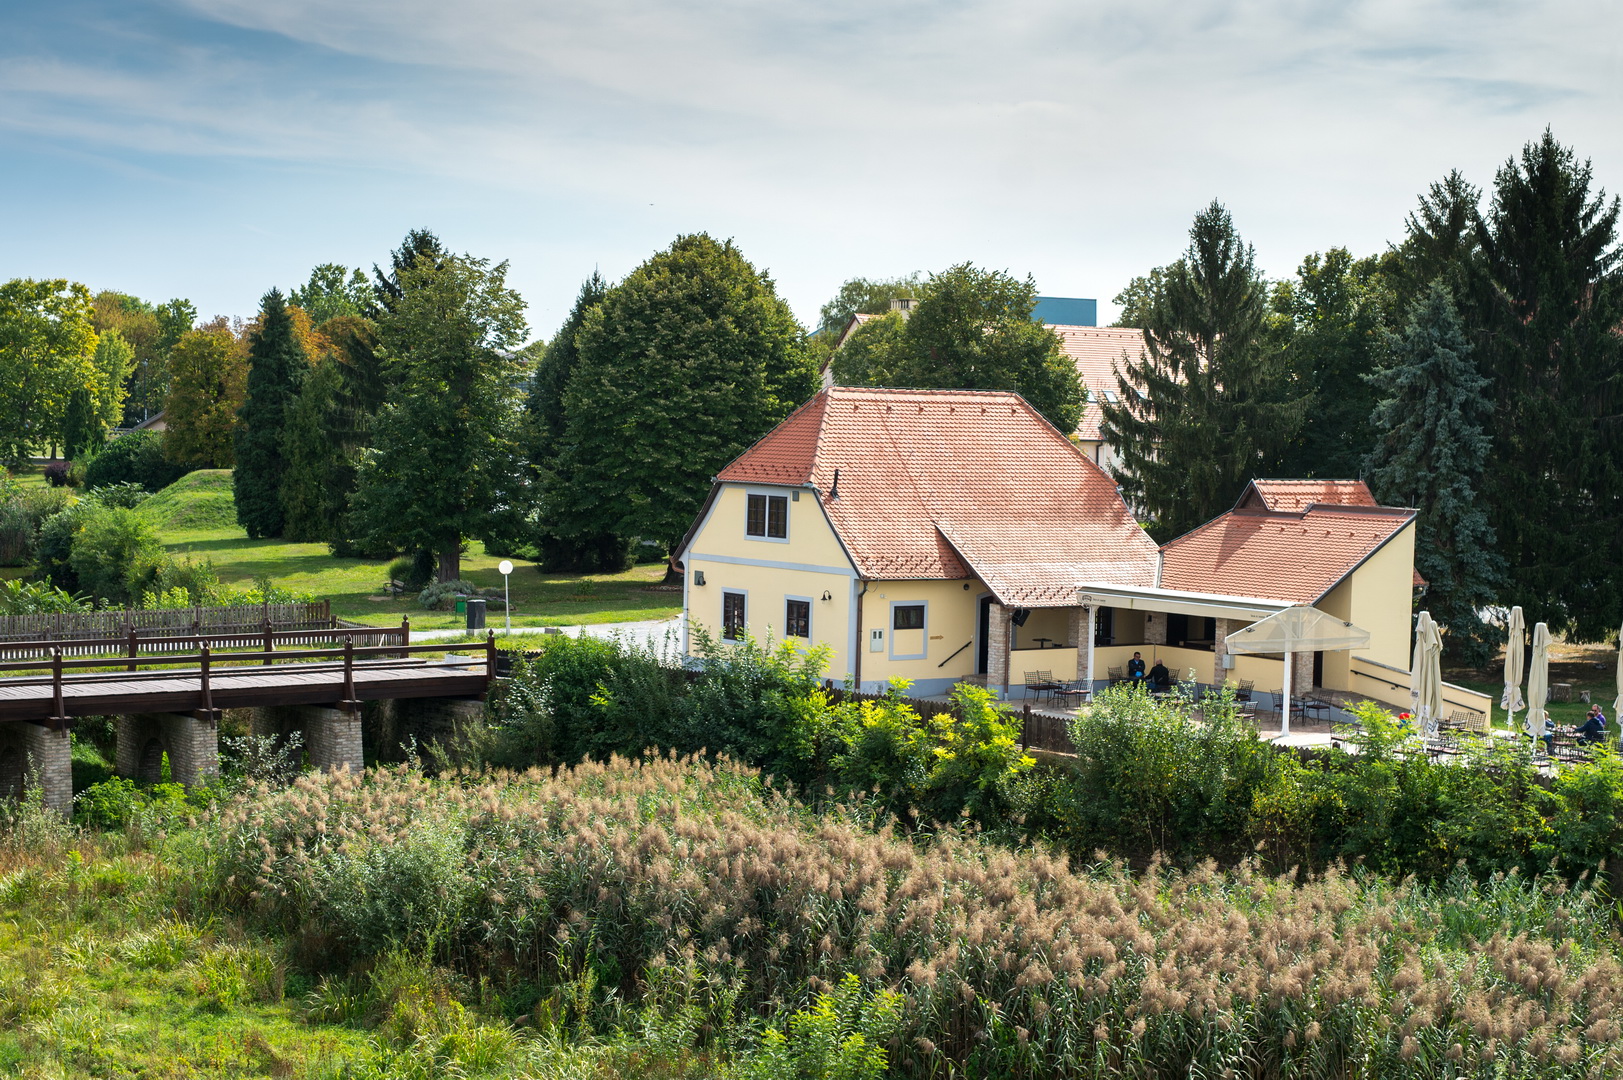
(1040, 683)
(1468, 720)
(1117, 675)
(1244, 691)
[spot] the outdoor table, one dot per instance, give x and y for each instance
(1042, 642)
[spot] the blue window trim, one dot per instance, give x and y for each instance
(769, 494)
(810, 609)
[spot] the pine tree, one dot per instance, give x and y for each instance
(1207, 406)
(684, 364)
(81, 434)
(442, 445)
(1430, 450)
(276, 367)
(312, 498)
(1551, 347)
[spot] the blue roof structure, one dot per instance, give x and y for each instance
(1066, 311)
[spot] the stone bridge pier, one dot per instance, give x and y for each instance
(36, 754)
(193, 746)
(332, 736)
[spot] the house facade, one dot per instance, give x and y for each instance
(943, 536)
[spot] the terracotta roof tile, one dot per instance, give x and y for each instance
(1278, 555)
(956, 483)
(1097, 352)
(1295, 495)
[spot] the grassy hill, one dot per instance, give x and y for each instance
(196, 516)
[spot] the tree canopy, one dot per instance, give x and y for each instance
(442, 450)
(208, 374)
(971, 330)
(682, 365)
(333, 290)
(277, 362)
(1206, 406)
(47, 351)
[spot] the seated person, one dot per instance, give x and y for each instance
(1160, 677)
(1593, 729)
(1135, 669)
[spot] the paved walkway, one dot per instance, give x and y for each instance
(662, 635)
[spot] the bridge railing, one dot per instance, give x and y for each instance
(83, 633)
(134, 643)
(342, 660)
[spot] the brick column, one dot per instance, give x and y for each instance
(1301, 672)
(127, 743)
(194, 748)
(1220, 648)
(1155, 628)
(997, 650)
(1082, 636)
(332, 738)
(49, 764)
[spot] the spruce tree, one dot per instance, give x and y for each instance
(1551, 347)
(1430, 450)
(81, 433)
(682, 366)
(1207, 406)
(312, 495)
(276, 366)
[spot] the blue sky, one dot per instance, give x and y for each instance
(214, 148)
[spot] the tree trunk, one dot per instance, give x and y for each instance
(673, 576)
(451, 563)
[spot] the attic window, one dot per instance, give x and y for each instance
(1110, 396)
(766, 517)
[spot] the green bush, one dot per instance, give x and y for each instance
(36, 598)
(116, 555)
(414, 572)
(136, 457)
(22, 512)
(125, 495)
(441, 594)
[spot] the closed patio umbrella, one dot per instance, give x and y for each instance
(1515, 664)
(1617, 702)
(1538, 681)
(1426, 675)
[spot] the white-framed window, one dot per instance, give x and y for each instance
(797, 617)
(734, 614)
(766, 516)
(909, 629)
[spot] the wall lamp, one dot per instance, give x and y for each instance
(827, 595)
(698, 577)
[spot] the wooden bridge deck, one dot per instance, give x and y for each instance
(30, 697)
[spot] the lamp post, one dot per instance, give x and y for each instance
(506, 567)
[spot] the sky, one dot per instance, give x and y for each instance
(211, 149)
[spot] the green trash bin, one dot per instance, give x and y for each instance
(461, 605)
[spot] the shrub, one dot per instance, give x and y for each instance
(414, 572)
(36, 598)
(135, 457)
(22, 513)
(125, 495)
(58, 473)
(53, 549)
(116, 555)
(441, 594)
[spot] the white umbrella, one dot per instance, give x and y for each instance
(1538, 681)
(1515, 665)
(1617, 703)
(1426, 675)
(1296, 629)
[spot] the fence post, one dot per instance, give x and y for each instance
(208, 693)
(405, 634)
(134, 648)
(349, 668)
(58, 713)
(1025, 726)
(490, 659)
(270, 642)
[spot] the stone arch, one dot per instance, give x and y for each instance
(149, 768)
(13, 771)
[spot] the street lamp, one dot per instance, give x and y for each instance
(506, 567)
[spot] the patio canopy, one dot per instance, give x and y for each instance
(1297, 629)
(1177, 601)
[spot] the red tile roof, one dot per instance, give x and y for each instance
(954, 484)
(1294, 495)
(1097, 352)
(1296, 557)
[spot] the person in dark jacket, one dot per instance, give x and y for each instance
(1593, 729)
(1160, 677)
(1135, 669)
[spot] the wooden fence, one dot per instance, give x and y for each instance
(109, 633)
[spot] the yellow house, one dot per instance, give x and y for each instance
(943, 536)
(930, 535)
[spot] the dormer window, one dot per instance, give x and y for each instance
(766, 517)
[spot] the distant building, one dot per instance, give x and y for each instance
(1066, 311)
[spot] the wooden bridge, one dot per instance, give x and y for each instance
(168, 702)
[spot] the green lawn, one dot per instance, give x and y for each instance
(195, 517)
(1585, 667)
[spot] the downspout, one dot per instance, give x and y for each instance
(862, 646)
(1160, 560)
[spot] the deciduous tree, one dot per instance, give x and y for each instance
(47, 345)
(1206, 406)
(442, 445)
(208, 375)
(277, 363)
(684, 364)
(1430, 448)
(972, 330)
(333, 291)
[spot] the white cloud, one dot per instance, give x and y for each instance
(1071, 140)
